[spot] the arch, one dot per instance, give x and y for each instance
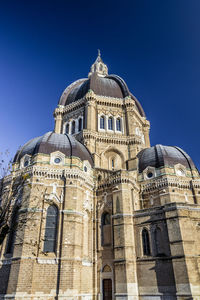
(50, 237)
(112, 153)
(80, 124)
(110, 123)
(107, 269)
(105, 229)
(73, 127)
(102, 122)
(118, 124)
(145, 242)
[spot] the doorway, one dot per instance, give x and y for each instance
(107, 289)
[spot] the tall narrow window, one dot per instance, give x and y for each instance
(106, 229)
(113, 163)
(80, 124)
(110, 123)
(51, 229)
(118, 124)
(145, 242)
(102, 122)
(67, 128)
(158, 242)
(12, 233)
(73, 127)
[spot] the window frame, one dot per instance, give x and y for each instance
(110, 123)
(102, 119)
(54, 229)
(119, 124)
(146, 249)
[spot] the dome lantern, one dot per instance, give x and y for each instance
(98, 66)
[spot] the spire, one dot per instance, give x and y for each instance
(99, 67)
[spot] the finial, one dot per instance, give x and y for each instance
(99, 53)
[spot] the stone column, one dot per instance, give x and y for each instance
(126, 286)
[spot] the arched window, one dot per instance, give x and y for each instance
(102, 122)
(73, 127)
(158, 242)
(106, 229)
(110, 123)
(118, 124)
(80, 124)
(145, 242)
(51, 229)
(12, 233)
(113, 163)
(67, 128)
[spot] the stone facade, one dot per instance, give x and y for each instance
(118, 232)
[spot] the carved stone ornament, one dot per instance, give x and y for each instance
(87, 204)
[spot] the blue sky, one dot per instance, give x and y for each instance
(153, 45)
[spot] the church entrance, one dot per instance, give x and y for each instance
(107, 289)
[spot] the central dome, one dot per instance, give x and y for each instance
(101, 84)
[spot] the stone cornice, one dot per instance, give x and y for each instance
(61, 110)
(112, 138)
(53, 173)
(166, 181)
(92, 99)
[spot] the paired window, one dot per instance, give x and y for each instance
(158, 243)
(50, 238)
(145, 242)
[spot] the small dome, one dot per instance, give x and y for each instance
(159, 156)
(51, 142)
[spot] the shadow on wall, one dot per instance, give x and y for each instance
(164, 264)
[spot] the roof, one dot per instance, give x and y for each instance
(51, 142)
(159, 156)
(109, 86)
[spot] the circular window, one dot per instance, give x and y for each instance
(180, 172)
(26, 163)
(149, 174)
(57, 160)
(85, 169)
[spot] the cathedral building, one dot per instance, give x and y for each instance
(95, 211)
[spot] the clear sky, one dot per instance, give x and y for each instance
(153, 45)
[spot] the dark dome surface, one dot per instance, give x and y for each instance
(110, 86)
(159, 156)
(50, 142)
